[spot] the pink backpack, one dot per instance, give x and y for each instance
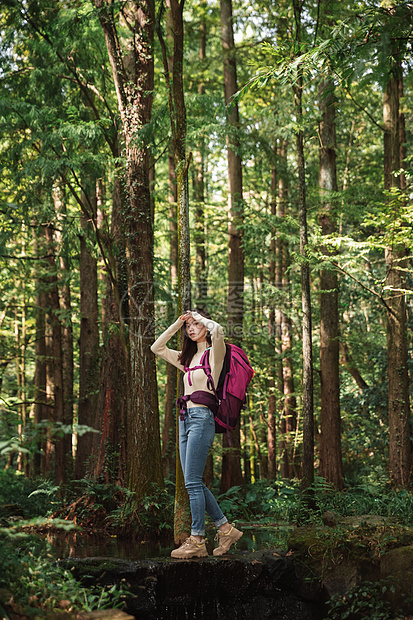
(230, 394)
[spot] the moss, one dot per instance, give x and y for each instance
(340, 557)
(91, 568)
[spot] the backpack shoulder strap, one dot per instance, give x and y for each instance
(207, 369)
(205, 366)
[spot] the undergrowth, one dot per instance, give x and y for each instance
(95, 505)
(281, 501)
(363, 601)
(32, 583)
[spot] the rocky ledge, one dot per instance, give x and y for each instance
(263, 585)
(323, 561)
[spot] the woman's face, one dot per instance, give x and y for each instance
(196, 331)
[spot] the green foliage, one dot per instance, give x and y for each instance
(107, 507)
(374, 497)
(151, 517)
(268, 502)
(262, 502)
(363, 601)
(32, 498)
(38, 584)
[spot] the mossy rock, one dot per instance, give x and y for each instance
(396, 567)
(93, 570)
(344, 556)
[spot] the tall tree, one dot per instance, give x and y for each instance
(88, 341)
(169, 426)
(274, 366)
(56, 361)
(289, 408)
(199, 184)
(40, 409)
(168, 431)
(177, 113)
(331, 467)
(67, 326)
(400, 456)
(231, 461)
(308, 381)
(131, 61)
(109, 449)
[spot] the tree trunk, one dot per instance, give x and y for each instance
(402, 129)
(308, 407)
(67, 329)
(109, 448)
(201, 268)
(231, 460)
(199, 194)
(169, 449)
(56, 360)
(289, 409)
(284, 425)
(103, 279)
(290, 401)
(168, 432)
(20, 362)
(182, 508)
(133, 77)
(331, 466)
(40, 409)
(272, 389)
(397, 355)
(177, 112)
(88, 345)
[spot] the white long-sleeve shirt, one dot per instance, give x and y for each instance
(198, 377)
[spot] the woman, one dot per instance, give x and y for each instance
(197, 426)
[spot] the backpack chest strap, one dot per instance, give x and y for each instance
(203, 365)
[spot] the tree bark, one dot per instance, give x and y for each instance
(169, 449)
(168, 432)
(289, 410)
(307, 381)
(272, 394)
(40, 408)
(284, 424)
(89, 354)
(133, 78)
(201, 278)
(56, 360)
(331, 466)
(67, 328)
(177, 112)
(231, 460)
(109, 448)
(397, 356)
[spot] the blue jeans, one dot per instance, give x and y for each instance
(196, 433)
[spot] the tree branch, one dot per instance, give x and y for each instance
(73, 70)
(363, 109)
(366, 288)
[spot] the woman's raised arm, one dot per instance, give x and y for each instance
(159, 346)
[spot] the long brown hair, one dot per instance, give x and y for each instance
(189, 347)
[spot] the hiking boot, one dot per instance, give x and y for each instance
(191, 548)
(226, 539)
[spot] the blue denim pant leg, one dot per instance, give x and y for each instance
(196, 433)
